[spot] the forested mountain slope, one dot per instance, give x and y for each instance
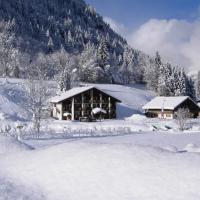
(41, 25)
(66, 40)
(46, 26)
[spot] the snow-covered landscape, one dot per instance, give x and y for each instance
(97, 103)
(140, 166)
(132, 157)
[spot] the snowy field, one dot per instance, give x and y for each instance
(142, 166)
(131, 158)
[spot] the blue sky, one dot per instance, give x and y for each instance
(171, 27)
(133, 13)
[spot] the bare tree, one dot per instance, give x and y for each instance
(36, 88)
(182, 116)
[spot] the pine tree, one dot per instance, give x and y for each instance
(158, 59)
(190, 88)
(198, 86)
(180, 84)
(171, 80)
(65, 64)
(156, 70)
(125, 68)
(15, 71)
(103, 54)
(50, 45)
(164, 80)
(6, 49)
(152, 73)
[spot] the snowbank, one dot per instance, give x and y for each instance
(11, 145)
(85, 170)
(12, 190)
(192, 148)
(136, 118)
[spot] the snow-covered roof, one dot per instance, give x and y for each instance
(98, 110)
(66, 114)
(73, 92)
(168, 103)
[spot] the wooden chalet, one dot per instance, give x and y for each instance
(81, 101)
(166, 107)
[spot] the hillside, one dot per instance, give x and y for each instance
(68, 41)
(13, 101)
(70, 23)
(29, 29)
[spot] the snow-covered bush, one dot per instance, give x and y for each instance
(182, 116)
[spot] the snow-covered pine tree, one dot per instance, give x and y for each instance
(164, 80)
(137, 69)
(90, 70)
(65, 64)
(152, 72)
(149, 76)
(15, 72)
(198, 86)
(87, 61)
(103, 54)
(125, 66)
(61, 83)
(180, 83)
(190, 88)
(50, 45)
(6, 48)
(158, 64)
(171, 79)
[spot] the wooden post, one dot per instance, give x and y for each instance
(109, 107)
(92, 101)
(72, 109)
(61, 111)
(82, 105)
(101, 101)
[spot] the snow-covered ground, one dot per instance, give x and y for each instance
(132, 158)
(116, 168)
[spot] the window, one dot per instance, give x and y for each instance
(168, 115)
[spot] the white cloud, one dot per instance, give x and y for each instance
(116, 26)
(178, 41)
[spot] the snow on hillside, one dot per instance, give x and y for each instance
(91, 169)
(133, 98)
(13, 99)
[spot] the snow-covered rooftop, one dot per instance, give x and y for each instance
(73, 92)
(169, 103)
(98, 110)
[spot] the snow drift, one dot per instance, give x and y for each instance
(86, 170)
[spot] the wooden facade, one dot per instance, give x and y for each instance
(157, 113)
(82, 104)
